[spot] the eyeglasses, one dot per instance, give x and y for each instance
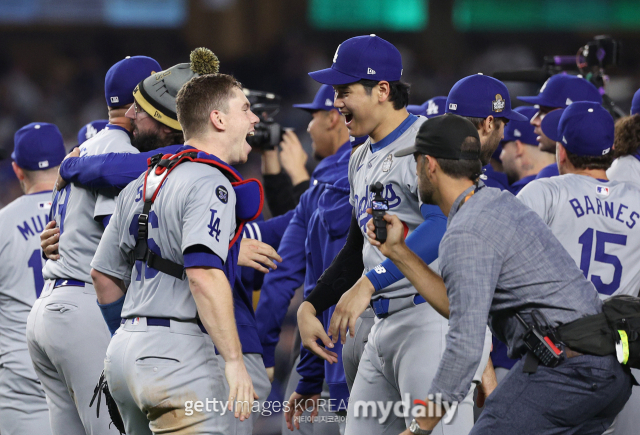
(137, 109)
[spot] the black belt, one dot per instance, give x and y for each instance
(61, 282)
(163, 321)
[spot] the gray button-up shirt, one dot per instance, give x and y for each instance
(498, 258)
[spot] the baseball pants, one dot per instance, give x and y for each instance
(319, 427)
(399, 362)
(23, 406)
(354, 346)
(261, 385)
(581, 396)
(67, 339)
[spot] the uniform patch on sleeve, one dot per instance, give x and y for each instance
(222, 194)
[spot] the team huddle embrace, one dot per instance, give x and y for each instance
(468, 267)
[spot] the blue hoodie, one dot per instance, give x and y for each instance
(280, 285)
(327, 234)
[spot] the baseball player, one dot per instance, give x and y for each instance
(159, 363)
(39, 149)
(366, 75)
(521, 157)
(593, 217)
(486, 103)
(66, 337)
(559, 91)
(626, 166)
(432, 107)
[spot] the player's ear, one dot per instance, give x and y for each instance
(335, 118)
(383, 89)
(18, 171)
(218, 120)
(520, 148)
(489, 124)
(561, 154)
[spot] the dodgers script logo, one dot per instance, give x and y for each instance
(363, 203)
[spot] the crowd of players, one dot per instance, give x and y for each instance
(174, 260)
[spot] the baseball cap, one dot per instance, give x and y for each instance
(322, 101)
(563, 89)
(549, 124)
(430, 108)
(38, 146)
(586, 129)
(91, 129)
(363, 57)
(124, 76)
(157, 94)
(442, 137)
(635, 103)
(521, 130)
(480, 96)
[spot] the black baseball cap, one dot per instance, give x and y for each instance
(442, 137)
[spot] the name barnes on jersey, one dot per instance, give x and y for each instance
(605, 208)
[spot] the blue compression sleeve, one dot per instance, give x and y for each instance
(108, 170)
(111, 313)
(424, 241)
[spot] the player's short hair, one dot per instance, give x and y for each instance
(398, 91)
(627, 136)
(477, 122)
(590, 162)
(199, 97)
(470, 169)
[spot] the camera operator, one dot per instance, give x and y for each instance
(493, 277)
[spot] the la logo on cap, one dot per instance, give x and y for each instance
(370, 71)
(432, 108)
(328, 102)
(517, 133)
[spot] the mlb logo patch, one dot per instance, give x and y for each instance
(115, 99)
(135, 321)
(43, 164)
(602, 190)
(45, 205)
(453, 106)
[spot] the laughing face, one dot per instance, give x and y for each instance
(358, 108)
(242, 123)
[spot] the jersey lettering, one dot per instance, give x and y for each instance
(611, 210)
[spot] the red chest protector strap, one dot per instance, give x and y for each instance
(249, 202)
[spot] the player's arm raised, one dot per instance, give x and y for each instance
(212, 293)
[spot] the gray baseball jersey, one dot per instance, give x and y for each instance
(195, 206)
(77, 210)
(20, 276)
(625, 168)
(598, 223)
(398, 176)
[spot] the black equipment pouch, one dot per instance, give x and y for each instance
(112, 407)
(614, 331)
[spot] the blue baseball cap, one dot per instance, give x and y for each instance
(549, 124)
(586, 129)
(479, 96)
(563, 89)
(521, 130)
(363, 57)
(91, 129)
(635, 103)
(430, 108)
(322, 101)
(38, 146)
(124, 76)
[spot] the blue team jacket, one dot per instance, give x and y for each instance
(280, 285)
(326, 235)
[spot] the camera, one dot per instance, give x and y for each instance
(268, 133)
(379, 207)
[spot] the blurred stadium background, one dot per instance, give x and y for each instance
(54, 55)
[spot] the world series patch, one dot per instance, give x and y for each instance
(222, 194)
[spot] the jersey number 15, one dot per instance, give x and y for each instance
(602, 238)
